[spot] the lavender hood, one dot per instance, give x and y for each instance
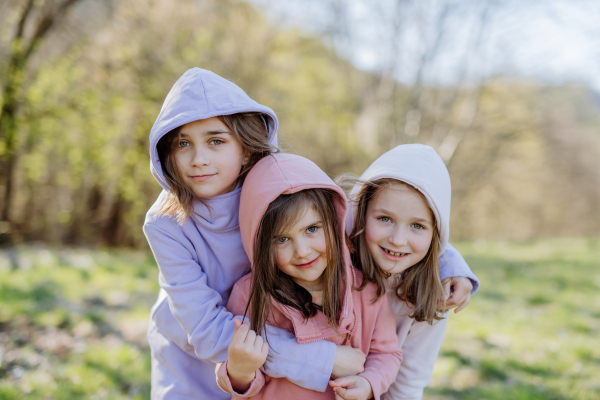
(201, 94)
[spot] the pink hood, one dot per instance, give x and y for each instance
(279, 174)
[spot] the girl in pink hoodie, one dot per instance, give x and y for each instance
(292, 223)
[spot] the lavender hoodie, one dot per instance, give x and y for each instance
(362, 324)
(200, 261)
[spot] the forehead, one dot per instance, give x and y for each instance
(204, 125)
(400, 199)
(305, 216)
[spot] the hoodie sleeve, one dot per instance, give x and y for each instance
(210, 326)
(383, 360)
(224, 382)
(420, 349)
(193, 303)
(453, 264)
(306, 365)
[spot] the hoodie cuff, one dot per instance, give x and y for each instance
(375, 382)
(225, 383)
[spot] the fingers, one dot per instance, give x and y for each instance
(462, 288)
(341, 392)
(264, 351)
(339, 382)
(239, 335)
(238, 323)
(463, 304)
(447, 283)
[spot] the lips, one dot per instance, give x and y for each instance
(201, 178)
(393, 255)
(307, 265)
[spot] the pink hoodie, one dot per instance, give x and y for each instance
(369, 327)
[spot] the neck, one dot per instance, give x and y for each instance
(311, 285)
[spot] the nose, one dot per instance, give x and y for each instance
(200, 158)
(398, 237)
(302, 249)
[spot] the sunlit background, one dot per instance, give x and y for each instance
(507, 92)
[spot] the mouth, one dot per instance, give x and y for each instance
(201, 178)
(307, 265)
(393, 255)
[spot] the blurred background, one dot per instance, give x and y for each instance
(507, 92)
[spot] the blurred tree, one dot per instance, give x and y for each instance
(23, 45)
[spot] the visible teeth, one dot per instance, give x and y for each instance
(394, 254)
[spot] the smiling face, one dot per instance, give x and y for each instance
(399, 227)
(209, 157)
(301, 250)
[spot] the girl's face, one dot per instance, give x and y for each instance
(399, 227)
(301, 251)
(209, 157)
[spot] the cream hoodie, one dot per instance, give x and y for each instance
(421, 167)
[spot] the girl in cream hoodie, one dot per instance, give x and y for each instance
(399, 226)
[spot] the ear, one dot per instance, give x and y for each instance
(246, 158)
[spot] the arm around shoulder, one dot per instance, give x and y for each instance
(452, 264)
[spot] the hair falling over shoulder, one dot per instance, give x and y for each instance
(418, 285)
(251, 129)
(270, 284)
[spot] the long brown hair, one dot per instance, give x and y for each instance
(251, 129)
(419, 284)
(269, 283)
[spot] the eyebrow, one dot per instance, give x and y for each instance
(207, 133)
(422, 220)
(383, 211)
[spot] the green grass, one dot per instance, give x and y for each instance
(73, 323)
(532, 330)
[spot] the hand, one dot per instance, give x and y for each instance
(348, 362)
(246, 353)
(352, 388)
(458, 292)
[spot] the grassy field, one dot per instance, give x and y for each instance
(73, 323)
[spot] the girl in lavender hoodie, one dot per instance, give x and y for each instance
(208, 134)
(292, 222)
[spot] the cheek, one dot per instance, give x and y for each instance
(422, 243)
(281, 257)
(233, 161)
(320, 244)
(373, 233)
(179, 157)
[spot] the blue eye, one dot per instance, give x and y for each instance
(216, 142)
(311, 229)
(283, 239)
(385, 219)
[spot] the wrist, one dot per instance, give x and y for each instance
(240, 381)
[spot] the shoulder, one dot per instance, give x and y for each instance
(369, 291)
(244, 283)
(156, 223)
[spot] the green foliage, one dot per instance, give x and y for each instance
(530, 332)
(73, 324)
(82, 176)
